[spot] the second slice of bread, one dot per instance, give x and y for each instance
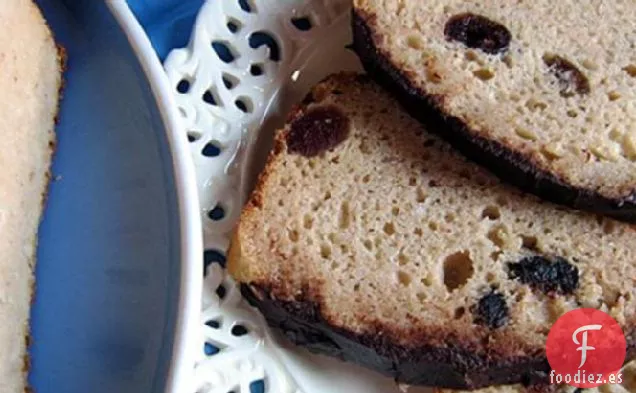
(541, 92)
(372, 240)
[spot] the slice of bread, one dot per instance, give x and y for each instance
(369, 239)
(29, 87)
(627, 386)
(541, 92)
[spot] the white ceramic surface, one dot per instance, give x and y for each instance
(183, 351)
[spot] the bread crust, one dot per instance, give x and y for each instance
(302, 322)
(510, 165)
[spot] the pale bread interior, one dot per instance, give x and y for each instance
(31, 78)
(393, 230)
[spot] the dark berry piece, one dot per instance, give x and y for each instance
(571, 80)
(478, 32)
(545, 275)
(491, 310)
(319, 129)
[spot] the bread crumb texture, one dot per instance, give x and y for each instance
(391, 228)
(552, 80)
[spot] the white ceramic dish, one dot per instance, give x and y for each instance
(246, 64)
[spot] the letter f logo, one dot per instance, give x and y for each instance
(584, 348)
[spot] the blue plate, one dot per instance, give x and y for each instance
(110, 273)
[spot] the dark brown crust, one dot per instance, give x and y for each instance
(503, 161)
(302, 322)
(450, 367)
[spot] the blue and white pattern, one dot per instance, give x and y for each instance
(246, 62)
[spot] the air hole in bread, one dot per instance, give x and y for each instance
(366, 179)
(534, 105)
(495, 255)
(412, 181)
(421, 195)
(498, 235)
(433, 75)
(433, 226)
(631, 70)
(530, 242)
(395, 210)
(368, 244)
(404, 278)
(460, 312)
(389, 228)
(614, 96)
(308, 221)
(572, 113)
(458, 269)
(551, 151)
(294, 236)
(491, 213)
(418, 232)
(484, 74)
(525, 134)
(414, 41)
(402, 259)
(345, 215)
(449, 217)
(427, 281)
(325, 251)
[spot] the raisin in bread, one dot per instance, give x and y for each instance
(370, 239)
(628, 385)
(31, 78)
(541, 92)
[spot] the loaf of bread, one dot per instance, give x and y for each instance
(627, 386)
(370, 239)
(31, 79)
(541, 92)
